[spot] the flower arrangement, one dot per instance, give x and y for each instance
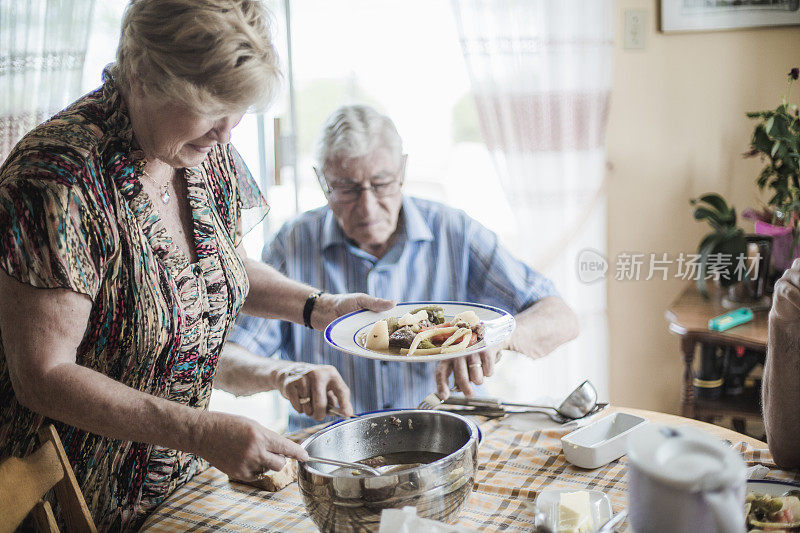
(776, 140)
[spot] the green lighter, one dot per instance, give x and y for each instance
(730, 319)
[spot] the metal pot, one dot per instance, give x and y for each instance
(347, 501)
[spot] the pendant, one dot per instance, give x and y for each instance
(165, 197)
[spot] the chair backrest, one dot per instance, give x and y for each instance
(25, 481)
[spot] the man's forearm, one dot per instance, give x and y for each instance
(781, 392)
(543, 327)
(242, 373)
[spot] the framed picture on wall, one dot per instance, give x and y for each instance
(705, 15)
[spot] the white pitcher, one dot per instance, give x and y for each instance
(682, 480)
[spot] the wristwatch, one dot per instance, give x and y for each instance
(309, 307)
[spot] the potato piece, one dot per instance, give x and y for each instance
(378, 336)
(469, 317)
(409, 320)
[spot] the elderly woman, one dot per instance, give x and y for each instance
(120, 220)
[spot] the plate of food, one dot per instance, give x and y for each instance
(414, 332)
(772, 505)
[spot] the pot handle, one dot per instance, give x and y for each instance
(727, 510)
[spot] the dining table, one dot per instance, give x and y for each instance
(519, 456)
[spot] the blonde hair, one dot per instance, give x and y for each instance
(355, 131)
(216, 56)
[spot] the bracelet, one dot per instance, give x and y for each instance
(309, 307)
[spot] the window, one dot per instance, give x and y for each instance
(403, 58)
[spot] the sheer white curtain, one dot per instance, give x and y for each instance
(42, 50)
(540, 72)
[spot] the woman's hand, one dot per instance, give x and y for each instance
(311, 388)
(241, 447)
(470, 368)
(786, 299)
(329, 307)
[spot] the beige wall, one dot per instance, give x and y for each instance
(677, 129)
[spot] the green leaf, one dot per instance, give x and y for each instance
(712, 217)
(761, 140)
(775, 146)
(716, 201)
(768, 125)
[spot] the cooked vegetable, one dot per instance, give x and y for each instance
(435, 313)
(378, 336)
(772, 513)
(458, 335)
(411, 319)
(469, 317)
(460, 346)
(427, 334)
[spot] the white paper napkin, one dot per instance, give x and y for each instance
(405, 520)
(757, 472)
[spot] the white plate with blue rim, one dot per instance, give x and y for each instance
(347, 333)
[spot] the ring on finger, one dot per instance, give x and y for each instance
(475, 365)
(261, 474)
(304, 400)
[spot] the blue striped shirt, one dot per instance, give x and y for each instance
(440, 254)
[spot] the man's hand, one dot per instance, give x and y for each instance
(311, 388)
(470, 368)
(329, 307)
(241, 447)
(786, 299)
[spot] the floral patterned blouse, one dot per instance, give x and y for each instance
(73, 215)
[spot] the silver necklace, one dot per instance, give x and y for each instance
(164, 188)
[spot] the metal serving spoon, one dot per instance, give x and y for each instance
(344, 464)
(579, 403)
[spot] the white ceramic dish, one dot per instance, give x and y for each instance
(547, 501)
(343, 332)
(602, 441)
(772, 487)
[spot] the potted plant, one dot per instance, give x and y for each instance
(776, 140)
(726, 238)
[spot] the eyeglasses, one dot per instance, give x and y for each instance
(350, 193)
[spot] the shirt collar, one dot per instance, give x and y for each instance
(414, 226)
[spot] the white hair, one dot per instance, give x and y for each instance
(356, 131)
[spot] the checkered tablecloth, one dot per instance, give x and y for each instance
(514, 466)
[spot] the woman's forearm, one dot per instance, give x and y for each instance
(781, 391)
(273, 295)
(543, 327)
(96, 403)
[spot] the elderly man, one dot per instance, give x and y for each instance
(370, 238)
(781, 386)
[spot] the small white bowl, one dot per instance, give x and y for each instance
(600, 442)
(547, 501)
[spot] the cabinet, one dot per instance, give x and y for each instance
(688, 317)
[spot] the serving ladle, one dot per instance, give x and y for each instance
(579, 403)
(359, 467)
(344, 464)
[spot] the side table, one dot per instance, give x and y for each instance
(688, 317)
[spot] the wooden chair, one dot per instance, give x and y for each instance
(24, 482)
